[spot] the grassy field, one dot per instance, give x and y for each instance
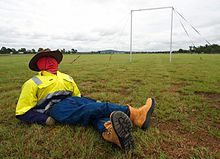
(185, 123)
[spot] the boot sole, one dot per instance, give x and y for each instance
(123, 128)
(146, 124)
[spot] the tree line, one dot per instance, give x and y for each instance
(207, 49)
(5, 50)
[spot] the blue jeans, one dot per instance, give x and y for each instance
(80, 110)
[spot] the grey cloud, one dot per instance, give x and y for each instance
(107, 32)
(79, 37)
(13, 32)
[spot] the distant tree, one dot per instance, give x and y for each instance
(40, 49)
(33, 51)
(8, 50)
(22, 50)
(190, 48)
(14, 51)
(214, 48)
(63, 51)
(73, 51)
(3, 50)
(28, 51)
(180, 51)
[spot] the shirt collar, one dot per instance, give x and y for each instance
(46, 73)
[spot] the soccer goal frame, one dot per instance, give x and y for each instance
(171, 27)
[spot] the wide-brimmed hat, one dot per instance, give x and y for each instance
(45, 53)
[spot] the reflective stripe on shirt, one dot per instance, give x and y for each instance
(55, 97)
(36, 80)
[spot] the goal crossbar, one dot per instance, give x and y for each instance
(171, 30)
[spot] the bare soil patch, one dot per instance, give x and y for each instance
(92, 82)
(175, 87)
(182, 142)
(213, 97)
(137, 81)
(87, 83)
(125, 91)
(122, 91)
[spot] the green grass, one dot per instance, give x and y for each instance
(185, 123)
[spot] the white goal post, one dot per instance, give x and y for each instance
(171, 31)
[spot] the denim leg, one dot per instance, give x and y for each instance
(79, 110)
(32, 116)
(99, 124)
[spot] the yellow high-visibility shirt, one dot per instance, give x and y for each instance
(44, 83)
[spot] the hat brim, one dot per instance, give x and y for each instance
(55, 54)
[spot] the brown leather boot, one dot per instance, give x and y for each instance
(118, 131)
(141, 116)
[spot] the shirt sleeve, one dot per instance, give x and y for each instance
(76, 91)
(28, 97)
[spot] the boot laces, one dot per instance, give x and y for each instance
(108, 127)
(109, 130)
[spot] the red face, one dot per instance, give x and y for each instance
(47, 64)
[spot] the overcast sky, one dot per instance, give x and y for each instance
(90, 25)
